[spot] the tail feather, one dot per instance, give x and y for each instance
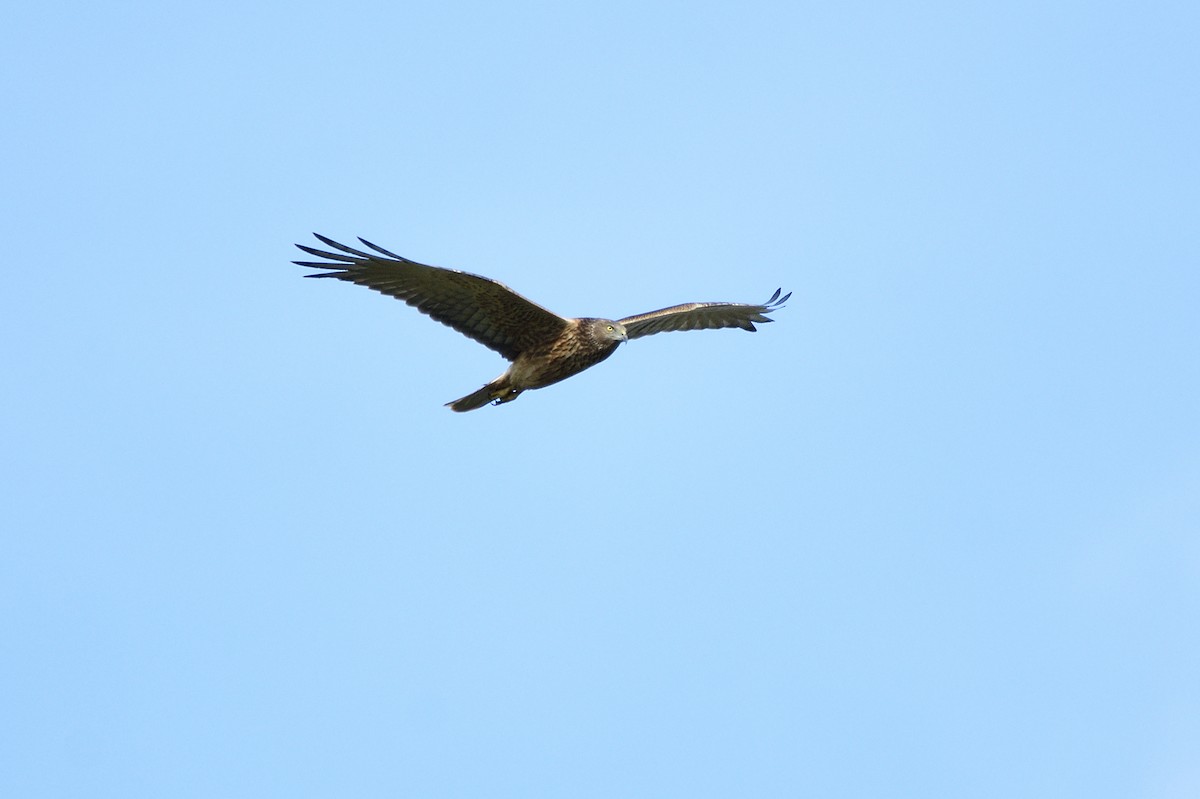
(476, 399)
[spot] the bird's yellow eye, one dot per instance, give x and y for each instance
(611, 328)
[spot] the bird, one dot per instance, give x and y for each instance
(542, 346)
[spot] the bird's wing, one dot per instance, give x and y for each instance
(702, 316)
(478, 307)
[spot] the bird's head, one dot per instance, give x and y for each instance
(608, 330)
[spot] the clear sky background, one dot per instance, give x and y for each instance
(934, 533)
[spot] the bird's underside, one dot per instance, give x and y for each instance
(543, 348)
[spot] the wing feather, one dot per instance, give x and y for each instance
(478, 307)
(702, 316)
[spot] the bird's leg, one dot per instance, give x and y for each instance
(507, 395)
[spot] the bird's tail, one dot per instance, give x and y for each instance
(496, 391)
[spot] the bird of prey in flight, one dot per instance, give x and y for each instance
(543, 347)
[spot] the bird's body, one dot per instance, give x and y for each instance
(584, 343)
(543, 347)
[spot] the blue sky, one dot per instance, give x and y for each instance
(933, 533)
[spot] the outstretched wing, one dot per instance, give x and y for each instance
(478, 307)
(702, 316)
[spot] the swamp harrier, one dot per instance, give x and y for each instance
(543, 347)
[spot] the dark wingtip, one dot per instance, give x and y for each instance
(382, 251)
(776, 301)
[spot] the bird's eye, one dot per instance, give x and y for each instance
(611, 328)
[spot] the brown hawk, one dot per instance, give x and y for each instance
(543, 347)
